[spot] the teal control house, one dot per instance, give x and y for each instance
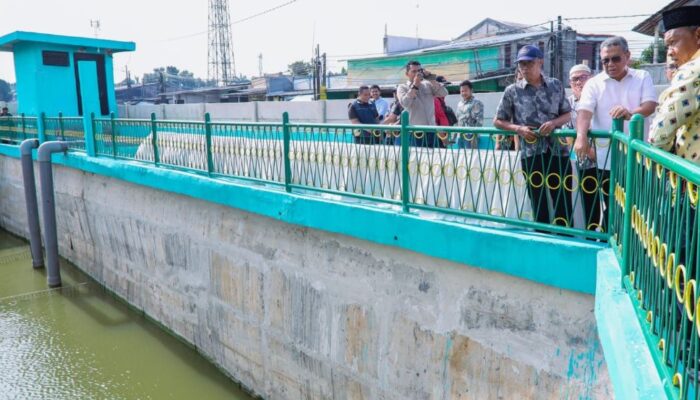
(65, 74)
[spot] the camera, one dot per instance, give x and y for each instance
(427, 74)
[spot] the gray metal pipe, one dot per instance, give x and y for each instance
(48, 208)
(30, 198)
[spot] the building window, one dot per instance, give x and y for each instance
(507, 55)
(55, 58)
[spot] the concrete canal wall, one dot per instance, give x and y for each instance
(295, 312)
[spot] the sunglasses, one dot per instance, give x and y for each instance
(582, 78)
(614, 59)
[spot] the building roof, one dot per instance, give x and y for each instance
(508, 27)
(8, 41)
(400, 44)
(648, 26)
(488, 41)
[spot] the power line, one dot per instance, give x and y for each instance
(269, 10)
(607, 17)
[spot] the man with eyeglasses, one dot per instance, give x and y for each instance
(578, 76)
(617, 92)
(533, 108)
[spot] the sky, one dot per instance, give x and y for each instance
(174, 33)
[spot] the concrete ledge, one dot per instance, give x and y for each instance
(630, 364)
(559, 262)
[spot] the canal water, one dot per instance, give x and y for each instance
(79, 342)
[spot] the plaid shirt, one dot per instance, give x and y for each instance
(525, 104)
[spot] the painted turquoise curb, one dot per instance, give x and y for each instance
(630, 364)
(559, 262)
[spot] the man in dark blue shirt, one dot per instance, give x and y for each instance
(361, 111)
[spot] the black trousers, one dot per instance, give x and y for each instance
(595, 185)
(547, 173)
(367, 137)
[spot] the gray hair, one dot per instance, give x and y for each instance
(616, 41)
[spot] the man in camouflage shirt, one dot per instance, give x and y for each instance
(537, 103)
(470, 112)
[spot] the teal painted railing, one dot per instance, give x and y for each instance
(445, 173)
(658, 249)
(15, 129)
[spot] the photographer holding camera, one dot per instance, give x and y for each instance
(418, 97)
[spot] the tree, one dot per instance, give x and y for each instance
(300, 68)
(5, 91)
(648, 53)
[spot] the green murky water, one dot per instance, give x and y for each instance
(78, 342)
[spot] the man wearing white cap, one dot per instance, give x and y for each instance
(618, 92)
(578, 76)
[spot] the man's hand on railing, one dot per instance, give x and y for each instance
(581, 147)
(526, 133)
(547, 128)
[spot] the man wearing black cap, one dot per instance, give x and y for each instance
(537, 103)
(676, 127)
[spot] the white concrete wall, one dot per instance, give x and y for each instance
(330, 111)
(296, 313)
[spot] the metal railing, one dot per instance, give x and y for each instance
(15, 129)
(658, 249)
(475, 174)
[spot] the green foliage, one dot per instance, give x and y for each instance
(648, 53)
(300, 68)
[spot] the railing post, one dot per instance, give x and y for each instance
(207, 131)
(154, 139)
(286, 149)
(60, 126)
(113, 129)
(618, 125)
(405, 155)
(41, 127)
(24, 128)
(89, 128)
(636, 133)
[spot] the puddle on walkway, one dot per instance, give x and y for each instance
(78, 342)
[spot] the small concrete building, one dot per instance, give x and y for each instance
(63, 73)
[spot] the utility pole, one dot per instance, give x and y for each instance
(260, 65)
(553, 52)
(317, 73)
(560, 51)
(324, 80)
(128, 79)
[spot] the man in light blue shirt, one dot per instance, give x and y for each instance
(379, 102)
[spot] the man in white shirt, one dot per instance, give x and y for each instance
(618, 92)
(376, 98)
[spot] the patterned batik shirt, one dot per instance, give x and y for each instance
(676, 126)
(525, 104)
(470, 112)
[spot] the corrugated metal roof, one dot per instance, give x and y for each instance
(648, 26)
(482, 42)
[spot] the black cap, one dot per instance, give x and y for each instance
(681, 16)
(441, 79)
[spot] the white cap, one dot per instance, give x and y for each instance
(580, 68)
